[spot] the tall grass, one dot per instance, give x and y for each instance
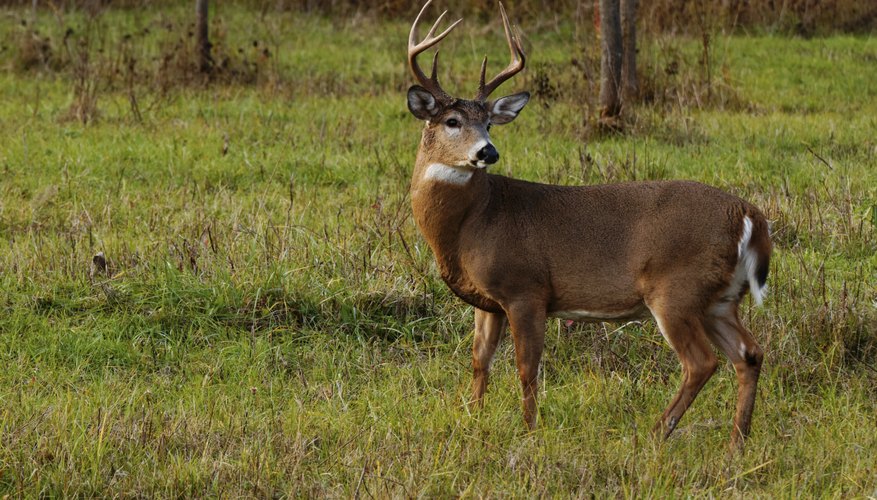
(800, 17)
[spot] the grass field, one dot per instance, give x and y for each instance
(270, 323)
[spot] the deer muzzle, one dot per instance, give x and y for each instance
(487, 155)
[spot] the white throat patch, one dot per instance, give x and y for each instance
(440, 172)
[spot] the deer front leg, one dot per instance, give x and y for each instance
(489, 328)
(528, 332)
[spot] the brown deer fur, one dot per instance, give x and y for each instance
(521, 252)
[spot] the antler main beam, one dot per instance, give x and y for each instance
(414, 49)
(515, 66)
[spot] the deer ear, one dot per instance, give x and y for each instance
(506, 109)
(422, 104)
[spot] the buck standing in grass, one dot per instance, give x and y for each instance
(521, 252)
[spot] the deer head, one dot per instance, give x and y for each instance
(457, 132)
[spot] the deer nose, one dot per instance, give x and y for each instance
(488, 154)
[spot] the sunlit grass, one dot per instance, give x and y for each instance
(270, 322)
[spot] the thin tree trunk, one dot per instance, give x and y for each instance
(628, 72)
(610, 68)
(205, 62)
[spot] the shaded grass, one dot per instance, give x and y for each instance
(270, 322)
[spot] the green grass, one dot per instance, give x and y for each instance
(272, 324)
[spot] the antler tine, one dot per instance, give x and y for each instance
(483, 71)
(414, 49)
(518, 60)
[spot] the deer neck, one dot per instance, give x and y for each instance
(443, 200)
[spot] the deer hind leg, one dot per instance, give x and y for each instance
(489, 328)
(685, 334)
(729, 335)
(527, 322)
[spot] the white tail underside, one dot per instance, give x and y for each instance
(747, 265)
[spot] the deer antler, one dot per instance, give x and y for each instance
(414, 49)
(514, 67)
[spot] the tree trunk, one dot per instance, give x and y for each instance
(628, 72)
(205, 62)
(610, 68)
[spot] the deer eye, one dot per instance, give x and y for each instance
(453, 122)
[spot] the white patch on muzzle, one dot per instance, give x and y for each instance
(473, 153)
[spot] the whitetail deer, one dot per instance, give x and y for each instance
(521, 252)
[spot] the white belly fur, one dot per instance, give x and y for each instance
(583, 315)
